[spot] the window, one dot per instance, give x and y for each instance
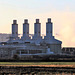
(24, 52)
(24, 32)
(39, 32)
(12, 32)
(15, 42)
(47, 31)
(27, 42)
(35, 51)
(16, 32)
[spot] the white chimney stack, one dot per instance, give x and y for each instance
(15, 29)
(37, 28)
(49, 28)
(37, 32)
(26, 29)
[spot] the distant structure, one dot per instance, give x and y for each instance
(35, 46)
(53, 44)
(68, 50)
(4, 37)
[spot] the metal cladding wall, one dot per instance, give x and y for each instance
(15, 29)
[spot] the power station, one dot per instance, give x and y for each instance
(29, 47)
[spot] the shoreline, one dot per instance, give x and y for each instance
(63, 66)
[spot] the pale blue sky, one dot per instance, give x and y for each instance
(39, 6)
(62, 13)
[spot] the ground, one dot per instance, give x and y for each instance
(50, 64)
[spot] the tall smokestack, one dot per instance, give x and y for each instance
(37, 28)
(26, 29)
(15, 29)
(49, 28)
(37, 32)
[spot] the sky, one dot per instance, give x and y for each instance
(62, 13)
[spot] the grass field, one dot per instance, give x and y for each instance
(37, 63)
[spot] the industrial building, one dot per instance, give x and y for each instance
(27, 46)
(68, 50)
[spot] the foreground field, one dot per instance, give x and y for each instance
(37, 63)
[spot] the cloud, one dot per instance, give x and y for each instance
(65, 26)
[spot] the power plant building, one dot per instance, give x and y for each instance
(30, 47)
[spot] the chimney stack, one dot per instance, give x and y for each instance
(15, 29)
(49, 28)
(25, 29)
(37, 28)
